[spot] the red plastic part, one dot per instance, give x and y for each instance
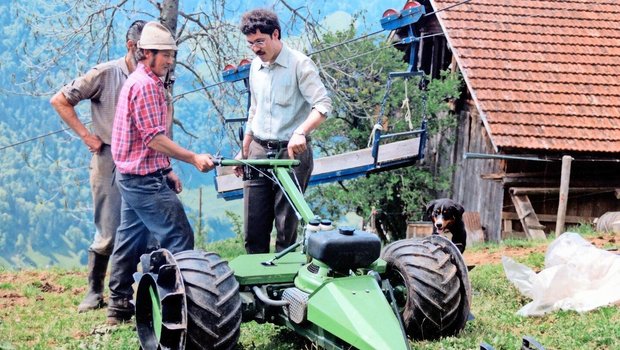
(229, 67)
(411, 4)
(244, 61)
(389, 12)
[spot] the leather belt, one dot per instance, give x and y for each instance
(271, 144)
(159, 173)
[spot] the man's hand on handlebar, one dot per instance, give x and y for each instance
(238, 169)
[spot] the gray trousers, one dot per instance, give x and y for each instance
(106, 201)
(264, 202)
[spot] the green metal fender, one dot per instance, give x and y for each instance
(356, 310)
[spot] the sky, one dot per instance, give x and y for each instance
(338, 12)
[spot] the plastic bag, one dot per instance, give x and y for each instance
(577, 276)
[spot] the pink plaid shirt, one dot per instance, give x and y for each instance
(140, 116)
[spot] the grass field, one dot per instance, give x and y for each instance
(38, 311)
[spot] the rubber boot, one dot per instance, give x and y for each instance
(97, 266)
(120, 311)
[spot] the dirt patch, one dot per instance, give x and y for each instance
(50, 288)
(11, 299)
(494, 255)
(43, 280)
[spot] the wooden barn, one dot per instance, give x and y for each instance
(542, 81)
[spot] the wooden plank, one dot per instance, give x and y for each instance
(388, 152)
(226, 181)
(513, 234)
(473, 227)
(527, 216)
(571, 219)
(419, 229)
(501, 176)
(556, 190)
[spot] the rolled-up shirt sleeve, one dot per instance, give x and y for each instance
(147, 115)
(312, 87)
(84, 88)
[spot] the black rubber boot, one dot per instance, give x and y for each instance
(97, 266)
(120, 311)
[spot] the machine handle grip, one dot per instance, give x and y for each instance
(269, 163)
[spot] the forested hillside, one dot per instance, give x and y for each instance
(45, 203)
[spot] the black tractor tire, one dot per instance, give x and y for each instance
(431, 286)
(213, 301)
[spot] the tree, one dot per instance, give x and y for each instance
(358, 89)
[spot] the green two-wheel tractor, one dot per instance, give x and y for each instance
(336, 287)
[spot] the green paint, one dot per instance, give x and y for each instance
(308, 281)
(249, 269)
(355, 310)
(271, 163)
(157, 319)
(296, 197)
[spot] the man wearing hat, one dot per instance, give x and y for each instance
(141, 148)
(101, 86)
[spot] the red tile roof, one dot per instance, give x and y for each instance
(545, 75)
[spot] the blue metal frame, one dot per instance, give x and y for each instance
(406, 18)
(239, 73)
(233, 75)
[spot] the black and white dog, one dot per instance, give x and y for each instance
(447, 215)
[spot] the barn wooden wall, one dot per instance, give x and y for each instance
(601, 176)
(446, 151)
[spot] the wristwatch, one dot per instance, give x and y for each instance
(299, 133)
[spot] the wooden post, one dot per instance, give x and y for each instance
(564, 184)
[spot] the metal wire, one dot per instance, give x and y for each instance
(345, 42)
(37, 137)
(447, 8)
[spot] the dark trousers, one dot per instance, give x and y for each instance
(265, 203)
(148, 207)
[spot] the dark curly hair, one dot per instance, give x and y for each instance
(260, 19)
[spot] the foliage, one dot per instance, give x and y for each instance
(358, 87)
(230, 247)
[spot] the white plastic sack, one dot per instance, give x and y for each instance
(577, 276)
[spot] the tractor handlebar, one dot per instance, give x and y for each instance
(263, 163)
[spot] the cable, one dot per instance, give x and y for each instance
(309, 54)
(176, 97)
(345, 42)
(37, 137)
(377, 49)
(447, 7)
